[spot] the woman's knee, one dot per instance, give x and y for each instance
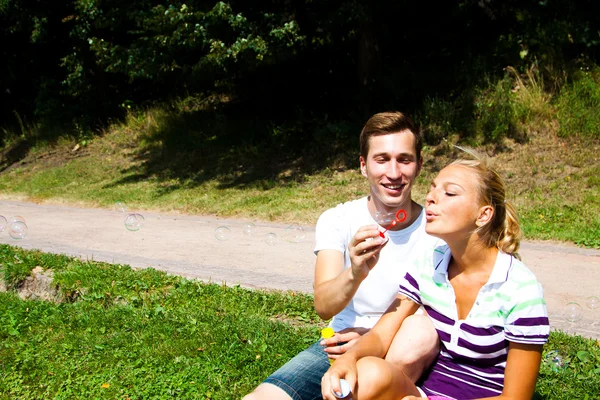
(375, 375)
(416, 343)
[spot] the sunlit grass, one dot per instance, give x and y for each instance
(142, 334)
(548, 175)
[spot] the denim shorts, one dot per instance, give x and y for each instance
(301, 377)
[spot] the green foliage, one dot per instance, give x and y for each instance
(578, 105)
(497, 109)
(333, 61)
(496, 116)
(439, 119)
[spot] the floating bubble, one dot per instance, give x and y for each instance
(555, 361)
(573, 312)
(294, 233)
(16, 218)
(249, 228)
(592, 302)
(17, 230)
(384, 218)
(134, 222)
(3, 223)
(271, 239)
(222, 233)
(120, 206)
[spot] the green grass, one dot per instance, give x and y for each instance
(143, 334)
(578, 106)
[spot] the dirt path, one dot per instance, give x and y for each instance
(186, 245)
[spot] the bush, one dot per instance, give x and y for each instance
(578, 105)
(495, 108)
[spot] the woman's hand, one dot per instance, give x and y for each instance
(364, 250)
(342, 368)
(338, 344)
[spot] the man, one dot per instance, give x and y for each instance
(357, 272)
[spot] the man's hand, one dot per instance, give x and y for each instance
(364, 250)
(338, 344)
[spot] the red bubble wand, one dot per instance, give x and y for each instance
(400, 217)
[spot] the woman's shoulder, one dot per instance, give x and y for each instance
(518, 272)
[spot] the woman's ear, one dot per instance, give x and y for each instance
(485, 215)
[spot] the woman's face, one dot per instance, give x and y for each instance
(452, 204)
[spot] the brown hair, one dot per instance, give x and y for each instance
(503, 231)
(386, 123)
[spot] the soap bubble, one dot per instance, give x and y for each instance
(249, 228)
(384, 218)
(294, 233)
(120, 206)
(134, 222)
(573, 312)
(271, 238)
(17, 218)
(592, 302)
(17, 230)
(3, 223)
(555, 361)
(222, 233)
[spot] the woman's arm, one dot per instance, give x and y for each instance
(374, 343)
(522, 367)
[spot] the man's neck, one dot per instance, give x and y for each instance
(412, 209)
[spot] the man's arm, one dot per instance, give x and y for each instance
(334, 286)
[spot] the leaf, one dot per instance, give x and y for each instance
(584, 356)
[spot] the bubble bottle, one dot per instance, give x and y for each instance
(327, 333)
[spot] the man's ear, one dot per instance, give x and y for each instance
(419, 166)
(485, 215)
(363, 167)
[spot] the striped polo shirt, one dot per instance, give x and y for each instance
(510, 307)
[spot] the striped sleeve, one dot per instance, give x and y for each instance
(410, 288)
(409, 285)
(527, 322)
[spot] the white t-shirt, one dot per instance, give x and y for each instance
(334, 230)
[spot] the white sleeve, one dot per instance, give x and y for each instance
(331, 231)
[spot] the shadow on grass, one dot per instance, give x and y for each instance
(240, 149)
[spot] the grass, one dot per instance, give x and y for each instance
(143, 334)
(551, 179)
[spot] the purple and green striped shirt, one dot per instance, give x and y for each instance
(510, 307)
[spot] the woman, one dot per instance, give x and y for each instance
(487, 307)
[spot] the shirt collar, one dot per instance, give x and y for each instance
(441, 260)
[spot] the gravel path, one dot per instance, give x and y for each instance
(186, 245)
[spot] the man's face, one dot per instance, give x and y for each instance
(391, 168)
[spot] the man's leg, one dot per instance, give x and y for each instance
(415, 346)
(298, 379)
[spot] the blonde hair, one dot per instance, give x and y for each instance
(503, 231)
